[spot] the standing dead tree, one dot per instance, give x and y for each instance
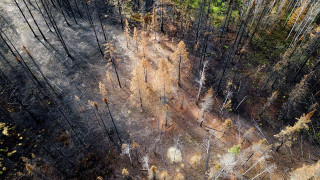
(110, 53)
(206, 104)
(37, 66)
(126, 150)
(25, 18)
(34, 20)
(306, 172)
(136, 37)
(206, 146)
(143, 45)
(154, 22)
(269, 102)
(296, 95)
(54, 25)
(201, 80)
(92, 25)
(138, 84)
(127, 31)
(96, 113)
(289, 134)
(43, 16)
(103, 93)
(180, 57)
(163, 80)
(120, 13)
(146, 66)
(227, 102)
(114, 124)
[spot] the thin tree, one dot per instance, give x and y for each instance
(114, 124)
(136, 37)
(42, 14)
(288, 135)
(100, 20)
(62, 12)
(25, 19)
(92, 25)
(110, 53)
(146, 66)
(180, 57)
(120, 13)
(143, 45)
(138, 85)
(154, 22)
(201, 80)
(126, 150)
(54, 25)
(153, 173)
(226, 21)
(20, 60)
(96, 113)
(37, 66)
(163, 81)
(206, 104)
(127, 32)
(269, 102)
(77, 7)
(162, 16)
(296, 95)
(71, 10)
(207, 145)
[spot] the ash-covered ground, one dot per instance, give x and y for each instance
(60, 127)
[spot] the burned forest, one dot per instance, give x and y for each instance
(159, 89)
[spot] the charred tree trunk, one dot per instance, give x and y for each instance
(77, 7)
(44, 18)
(120, 13)
(92, 25)
(229, 12)
(114, 125)
(62, 12)
(179, 74)
(54, 25)
(314, 46)
(25, 19)
(44, 77)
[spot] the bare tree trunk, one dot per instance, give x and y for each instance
(54, 25)
(44, 77)
(26, 19)
(77, 7)
(45, 20)
(92, 25)
(114, 125)
(120, 13)
(116, 71)
(62, 12)
(208, 153)
(179, 74)
(229, 12)
(161, 18)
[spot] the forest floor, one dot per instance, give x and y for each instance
(80, 77)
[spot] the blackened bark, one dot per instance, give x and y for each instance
(34, 20)
(26, 19)
(114, 125)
